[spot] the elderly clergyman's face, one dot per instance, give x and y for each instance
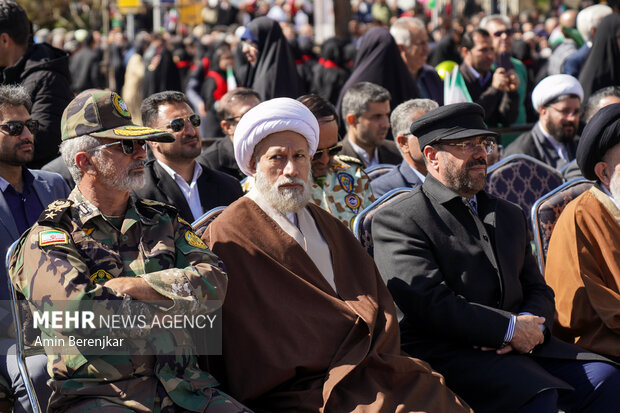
(283, 170)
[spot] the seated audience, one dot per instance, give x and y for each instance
(584, 252)
(24, 193)
(412, 171)
(309, 324)
(553, 139)
(459, 265)
(102, 246)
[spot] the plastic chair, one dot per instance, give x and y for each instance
(378, 170)
(22, 351)
(362, 225)
(522, 180)
(546, 211)
(203, 222)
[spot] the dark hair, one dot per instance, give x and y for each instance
(319, 107)
(150, 105)
(226, 103)
(15, 22)
(467, 41)
(594, 103)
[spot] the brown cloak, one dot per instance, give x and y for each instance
(291, 343)
(583, 268)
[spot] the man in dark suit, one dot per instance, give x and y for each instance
(412, 170)
(458, 263)
(174, 177)
(24, 193)
(494, 90)
(221, 155)
(365, 112)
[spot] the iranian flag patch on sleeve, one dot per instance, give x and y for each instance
(53, 238)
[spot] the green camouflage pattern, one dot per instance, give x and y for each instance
(336, 197)
(332, 196)
(152, 243)
(104, 114)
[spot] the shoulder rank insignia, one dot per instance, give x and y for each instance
(100, 276)
(353, 201)
(55, 211)
(346, 181)
(194, 240)
(182, 221)
(53, 237)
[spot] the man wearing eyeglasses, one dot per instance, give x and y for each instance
(174, 176)
(102, 246)
(553, 139)
(459, 265)
(340, 185)
(23, 195)
(220, 155)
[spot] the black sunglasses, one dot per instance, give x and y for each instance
(508, 32)
(178, 124)
(16, 127)
(128, 146)
(331, 151)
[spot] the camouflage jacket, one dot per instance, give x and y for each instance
(345, 191)
(66, 257)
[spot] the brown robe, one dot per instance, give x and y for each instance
(291, 343)
(583, 268)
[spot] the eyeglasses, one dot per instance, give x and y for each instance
(234, 119)
(178, 124)
(567, 112)
(331, 151)
(470, 147)
(128, 146)
(15, 127)
(507, 32)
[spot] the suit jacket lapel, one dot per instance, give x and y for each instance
(171, 190)
(6, 218)
(209, 196)
(410, 177)
(43, 191)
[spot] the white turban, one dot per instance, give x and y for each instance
(275, 115)
(553, 86)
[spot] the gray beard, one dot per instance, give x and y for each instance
(286, 201)
(121, 180)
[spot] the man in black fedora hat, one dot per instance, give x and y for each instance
(459, 265)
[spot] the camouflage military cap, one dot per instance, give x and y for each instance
(103, 114)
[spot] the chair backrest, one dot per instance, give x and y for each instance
(522, 179)
(378, 170)
(546, 211)
(203, 222)
(362, 225)
(20, 346)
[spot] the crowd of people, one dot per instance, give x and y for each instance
(110, 149)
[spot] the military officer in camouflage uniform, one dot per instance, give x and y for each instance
(340, 185)
(101, 245)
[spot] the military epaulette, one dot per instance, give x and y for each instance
(148, 206)
(55, 212)
(348, 159)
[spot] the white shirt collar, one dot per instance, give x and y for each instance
(418, 173)
(190, 191)
(361, 152)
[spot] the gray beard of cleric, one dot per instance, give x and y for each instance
(110, 175)
(286, 201)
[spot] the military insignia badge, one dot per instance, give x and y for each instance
(346, 181)
(136, 131)
(58, 206)
(194, 240)
(100, 276)
(353, 201)
(53, 238)
(120, 106)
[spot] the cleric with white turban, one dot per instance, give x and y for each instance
(553, 87)
(275, 115)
